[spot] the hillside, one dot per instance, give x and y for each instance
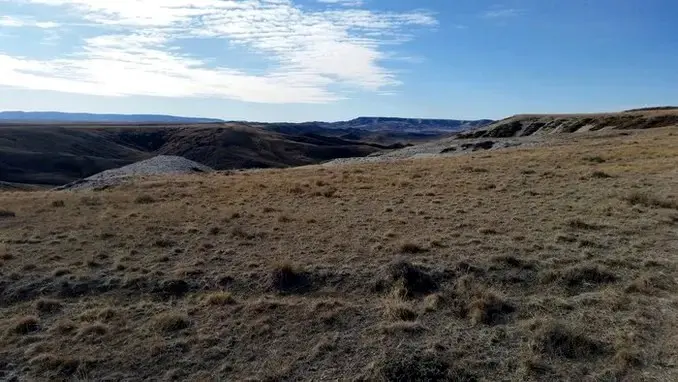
(59, 117)
(410, 124)
(55, 155)
(529, 264)
(529, 124)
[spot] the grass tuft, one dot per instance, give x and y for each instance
(144, 199)
(219, 298)
(555, 339)
(45, 305)
(651, 201)
(171, 322)
(286, 277)
(412, 248)
(411, 279)
(26, 325)
(587, 274)
(489, 308)
(417, 365)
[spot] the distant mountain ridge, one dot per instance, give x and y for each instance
(54, 116)
(361, 123)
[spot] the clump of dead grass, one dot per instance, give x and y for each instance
(63, 366)
(555, 339)
(171, 322)
(412, 248)
(651, 201)
(144, 199)
(399, 310)
(581, 225)
(58, 203)
(25, 325)
(595, 159)
(489, 308)
(287, 277)
(600, 175)
(587, 274)
(651, 284)
(48, 306)
(93, 330)
(409, 280)
(418, 365)
(219, 298)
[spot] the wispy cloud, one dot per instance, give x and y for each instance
(345, 3)
(501, 13)
(22, 22)
(311, 53)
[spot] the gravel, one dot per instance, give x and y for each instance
(159, 165)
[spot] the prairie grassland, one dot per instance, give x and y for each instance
(547, 263)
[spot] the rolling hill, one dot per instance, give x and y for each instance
(532, 124)
(58, 154)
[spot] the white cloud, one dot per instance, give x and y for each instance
(21, 22)
(345, 3)
(501, 13)
(311, 53)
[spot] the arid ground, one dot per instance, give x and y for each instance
(546, 263)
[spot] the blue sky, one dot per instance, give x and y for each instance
(297, 60)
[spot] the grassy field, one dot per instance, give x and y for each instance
(548, 263)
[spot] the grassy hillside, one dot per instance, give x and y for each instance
(56, 155)
(531, 124)
(547, 263)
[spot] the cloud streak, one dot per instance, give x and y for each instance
(501, 13)
(310, 54)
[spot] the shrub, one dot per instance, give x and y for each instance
(58, 203)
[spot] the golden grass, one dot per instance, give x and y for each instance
(516, 265)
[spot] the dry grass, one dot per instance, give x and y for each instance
(412, 270)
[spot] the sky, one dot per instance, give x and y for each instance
(302, 60)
